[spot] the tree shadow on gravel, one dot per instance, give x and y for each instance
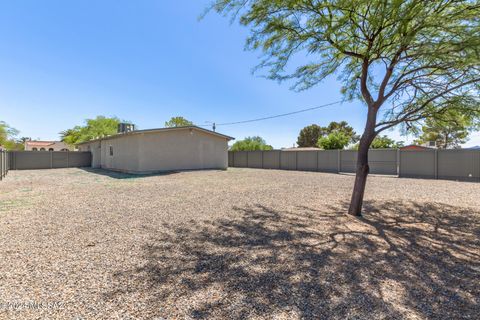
(400, 260)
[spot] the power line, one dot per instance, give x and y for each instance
(276, 116)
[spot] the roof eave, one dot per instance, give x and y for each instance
(157, 130)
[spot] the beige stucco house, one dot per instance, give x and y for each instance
(157, 150)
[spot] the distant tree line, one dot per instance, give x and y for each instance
(101, 126)
(448, 130)
(251, 144)
(338, 135)
(96, 128)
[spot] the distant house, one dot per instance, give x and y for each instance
(157, 150)
(415, 147)
(31, 145)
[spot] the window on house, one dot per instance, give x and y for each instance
(64, 149)
(42, 149)
(111, 150)
(34, 149)
(51, 149)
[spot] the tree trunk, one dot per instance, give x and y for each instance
(363, 169)
(360, 181)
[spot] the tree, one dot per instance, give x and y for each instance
(405, 60)
(334, 140)
(448, 130)
(344, 128)
(250, 144)
(384, 142)
(178, 122)
(8, 137)
(96, 128)
(309, 136)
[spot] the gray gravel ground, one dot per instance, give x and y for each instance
(236, 244)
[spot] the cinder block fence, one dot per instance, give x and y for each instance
(458, 164)
(25, 160)
(4, 165)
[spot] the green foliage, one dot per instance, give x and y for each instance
(96, 128)
(410, 53)
(406, 60)
(8, 137)
(449, 129)
(342, 127)
(334, 140)
(251, 144)
(384, 142)
(309, 136)
(178, 122)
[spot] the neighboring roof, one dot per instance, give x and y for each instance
(159, 130)
(301, 149)
(414, 147)
(41, 143)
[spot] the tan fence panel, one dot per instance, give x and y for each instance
(26, 160)
(458, 165)
(288, 160)
(383, 161)
(60, 159)
(255, 159)
(240, 159)
(307, 160)
(328, 160)
(441, 164)
(348, 161)
(4, 163)
(230, 158)
(417, 164)
(271, 159)
(79, 159)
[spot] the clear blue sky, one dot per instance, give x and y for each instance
(145, 61)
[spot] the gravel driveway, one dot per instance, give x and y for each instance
(236, 244)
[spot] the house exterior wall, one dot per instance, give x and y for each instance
(147, 152)
(95, 149)
(125, 153)
(182, 150)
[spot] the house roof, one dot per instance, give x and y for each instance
(414, 147)
(40, 143)
(159, 130)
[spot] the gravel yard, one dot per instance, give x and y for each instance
(236, 244)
